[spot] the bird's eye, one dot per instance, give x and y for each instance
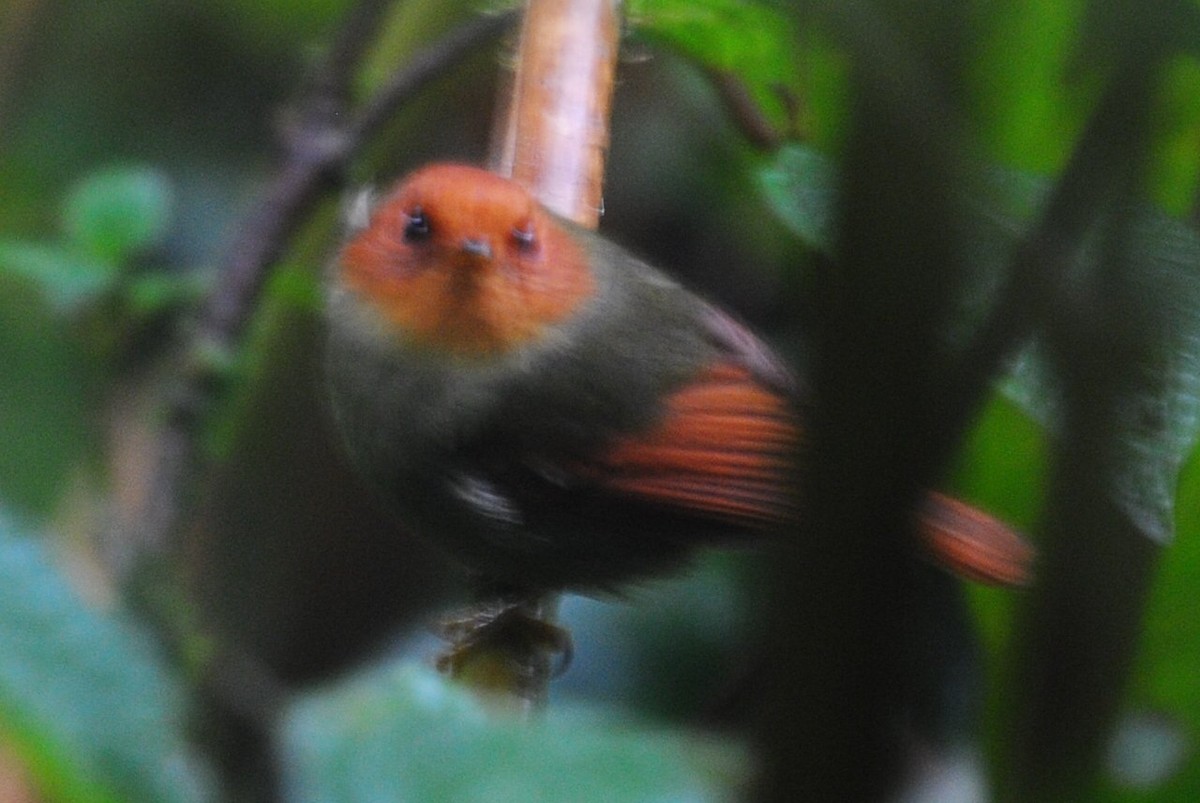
(523, 236)
(417, 227)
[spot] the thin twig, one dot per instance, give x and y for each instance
(748, 116)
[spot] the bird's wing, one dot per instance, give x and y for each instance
(725, 447)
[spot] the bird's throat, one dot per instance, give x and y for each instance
(467, 313)
(467, 304)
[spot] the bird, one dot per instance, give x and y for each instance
(560, 415)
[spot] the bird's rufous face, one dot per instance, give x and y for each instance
(465, 261)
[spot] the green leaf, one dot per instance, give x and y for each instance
(1162, 284)
(115, 213)
(84, 698)
(402, 733)
(1160, 306)
(750, 41)
(801, 186)
(65, 279)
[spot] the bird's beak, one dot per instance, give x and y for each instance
(477, 247)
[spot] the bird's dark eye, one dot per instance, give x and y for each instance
(523, 236)
(417, 227)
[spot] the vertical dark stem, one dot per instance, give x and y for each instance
(843, 690)
(1082, 625)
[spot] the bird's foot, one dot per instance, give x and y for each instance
(505, 646)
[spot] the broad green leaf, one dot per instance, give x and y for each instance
(65, 279)
(1162, 281)
(1160, 289)
(115, 213)
(84, 699)
(1032, 87)
(742, 39)
(403, 733)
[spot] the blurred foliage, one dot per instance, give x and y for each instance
(133, 137)
(764, 55)
(802, 186)
(110, 219)
(84, 699)
(341, 745)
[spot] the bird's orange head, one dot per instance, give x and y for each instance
(464, 261)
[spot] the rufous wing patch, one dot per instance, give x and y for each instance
(972, 543)
(724, 448)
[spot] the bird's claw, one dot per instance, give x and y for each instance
(508, 630)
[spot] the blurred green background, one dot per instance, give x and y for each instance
(136, 137)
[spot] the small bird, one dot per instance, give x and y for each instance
(557, 413)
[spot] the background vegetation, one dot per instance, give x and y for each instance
(971, 224)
